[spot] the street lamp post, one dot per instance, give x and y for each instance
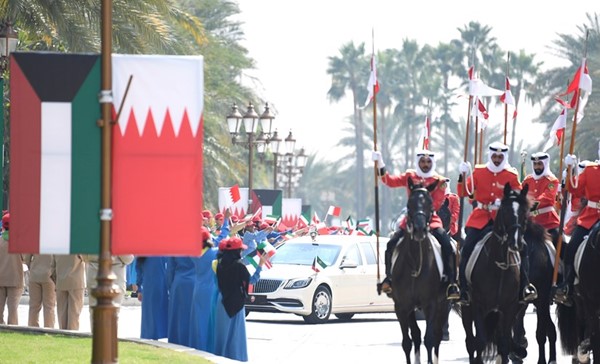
(8, 44)
(250, 120)
(292, 168)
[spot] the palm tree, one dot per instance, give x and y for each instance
(350, 73)
(141, 26)
(524, 70)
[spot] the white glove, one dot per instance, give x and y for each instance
(564, 175)
(570, 160)
(376, 157)
(464, 167)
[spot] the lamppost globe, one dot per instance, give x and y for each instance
(250, 117)
(233, 121)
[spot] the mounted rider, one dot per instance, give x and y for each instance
(543, 189)
(425, 175)
(584, 186)
(486, 186)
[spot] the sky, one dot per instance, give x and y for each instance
(291, 41)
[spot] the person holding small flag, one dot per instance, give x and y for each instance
(583, 186)
(425, 175)
(485, 186)
(228, 321)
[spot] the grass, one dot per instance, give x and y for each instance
(18, 347)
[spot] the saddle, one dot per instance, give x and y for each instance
(437, 253)
(579, 253)
(475, 255)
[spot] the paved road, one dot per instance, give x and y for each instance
(285, 338)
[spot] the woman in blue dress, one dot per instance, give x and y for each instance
(153, 293)
(181, 278)
(204, 287)
(228, 322)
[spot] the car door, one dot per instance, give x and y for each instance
(347, 288)
(374, 300)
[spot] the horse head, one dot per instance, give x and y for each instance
(511, 219)
(420, 209)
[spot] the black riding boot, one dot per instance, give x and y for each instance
(527, 290)
(452, 292)
(386, 285)
(564, 290)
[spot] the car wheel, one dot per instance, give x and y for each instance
(344, 316)
(321, 307)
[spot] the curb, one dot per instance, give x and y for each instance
(159, 344)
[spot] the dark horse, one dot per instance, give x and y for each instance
(541, 268)
(416, 279)
(579, 325)
(495, 282)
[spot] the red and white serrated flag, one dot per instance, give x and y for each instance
(581, 79)
(334, 211)
(558, 130)
(479, 109)
(234, 193)
(507, 97)
(373, 85)
(425, 134)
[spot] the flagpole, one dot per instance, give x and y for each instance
(376, 166)
(104, 330)
(481, 144)
(461, 210)
(565, 190)
(476, 148)
(506, 104)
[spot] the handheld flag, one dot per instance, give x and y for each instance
(334, 211)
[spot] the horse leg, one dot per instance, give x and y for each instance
(416, 336)
(479, 342)
(403, 318)
(518, 341)
(543, 331)
(433, 332)
(467, 321)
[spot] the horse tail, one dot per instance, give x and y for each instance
(490, 327)
(568, 326)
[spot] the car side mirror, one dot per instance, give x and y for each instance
(346, 263)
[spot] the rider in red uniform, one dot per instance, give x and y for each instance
(454, 207)
(426, 175)
(587, 187)
(486, 186)
(543, 188)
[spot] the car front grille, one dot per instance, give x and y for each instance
(267, 285)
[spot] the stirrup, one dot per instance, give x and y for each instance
(529, 293)
(562, 296)
(453, 292)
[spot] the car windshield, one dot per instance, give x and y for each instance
(304, 254)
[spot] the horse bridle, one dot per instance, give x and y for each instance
(504, 238)
(409, 230)
(410, 217)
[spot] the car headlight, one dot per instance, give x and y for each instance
(298, 283)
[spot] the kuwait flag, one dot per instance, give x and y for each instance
(55, 153)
